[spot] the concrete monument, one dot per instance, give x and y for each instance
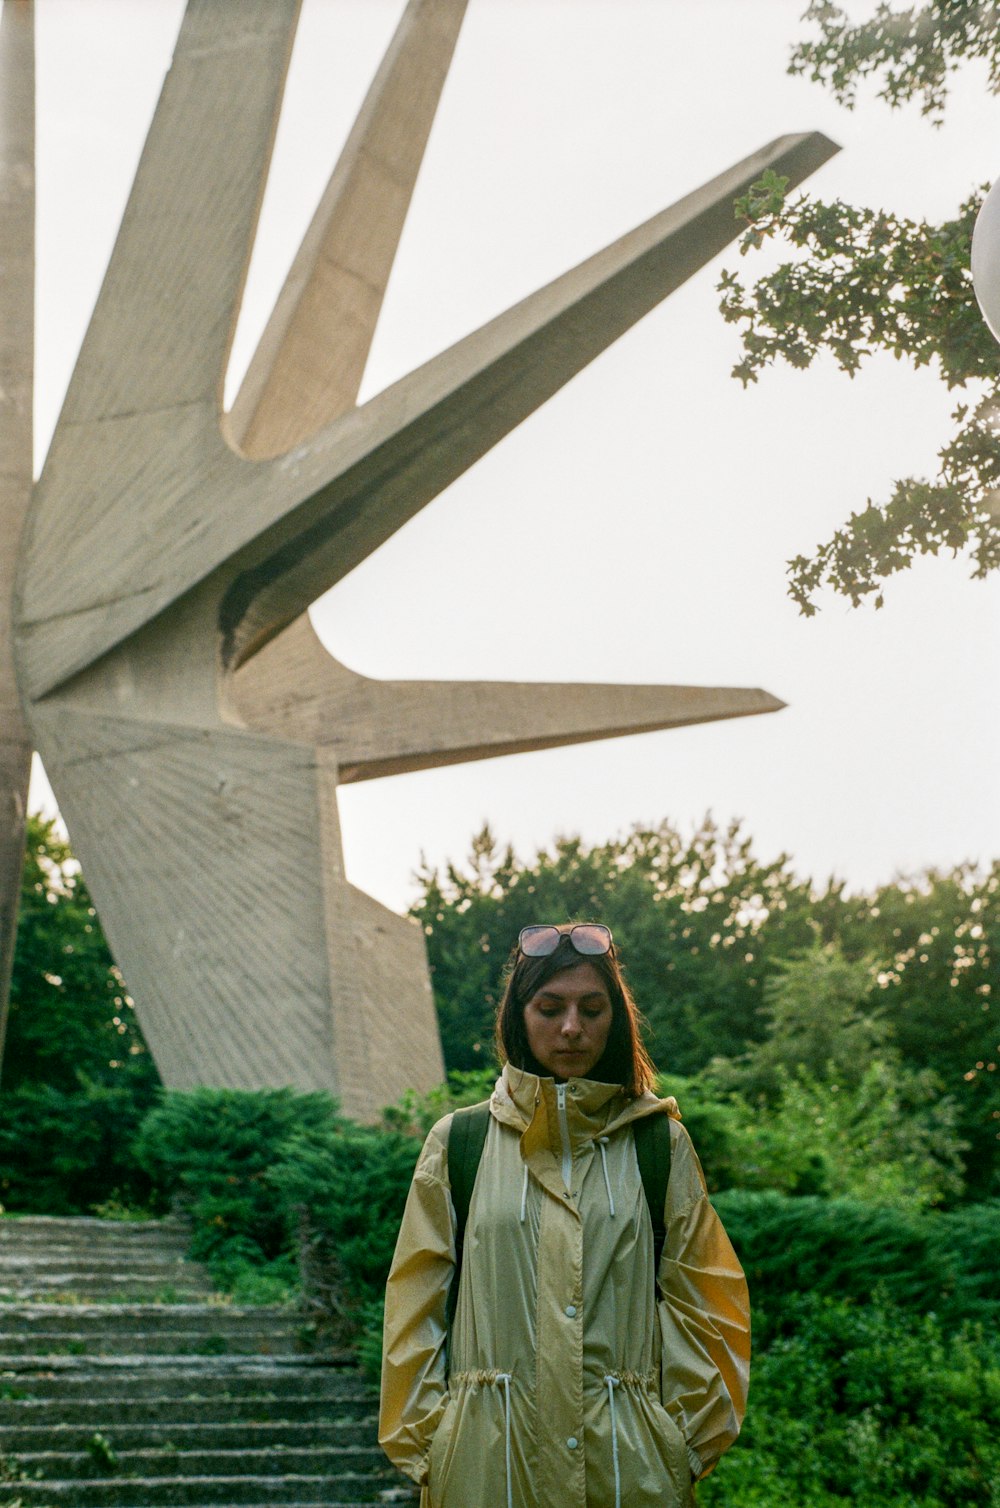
(194, 729)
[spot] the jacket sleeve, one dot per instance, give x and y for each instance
(414, 1366)
(704, 1316)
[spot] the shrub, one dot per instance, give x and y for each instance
(209, 1152)
(843, 1248)
(62, 1152)
(345, 1189)
(867, 1405)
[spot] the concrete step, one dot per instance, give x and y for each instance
(122, 1387)
(303, 1491)
(149, 1329)
(123, 1319)
(177, 1344)
(221, 1433)
(82, 1230)
(164, 1379)
(87, 1415)
(103, 1259)
(118, 1287)
(264, 1461)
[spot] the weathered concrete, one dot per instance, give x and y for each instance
(193, 728)
(136, 1404)
(17, 334)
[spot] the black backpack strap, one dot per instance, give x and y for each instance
(466, 1140)
(652, 1150)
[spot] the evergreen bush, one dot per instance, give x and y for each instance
(62, 1152)
(867, 1405)
(943, 1264)
(208, 1153)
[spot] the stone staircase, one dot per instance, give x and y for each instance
(125, 1381)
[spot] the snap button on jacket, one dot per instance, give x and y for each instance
(567, 1378)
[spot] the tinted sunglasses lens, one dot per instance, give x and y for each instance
(592, 939)
(538, 942)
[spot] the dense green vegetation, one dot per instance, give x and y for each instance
(832, 1058)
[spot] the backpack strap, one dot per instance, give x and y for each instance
(652, 1150)
(466, 1140)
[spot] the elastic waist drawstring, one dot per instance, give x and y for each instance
(524, 1193)
(504, 1377)
(612, 1383)
(602, 1142)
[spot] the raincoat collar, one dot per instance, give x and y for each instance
(594, 1109)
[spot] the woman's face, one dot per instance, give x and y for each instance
(567, 1022)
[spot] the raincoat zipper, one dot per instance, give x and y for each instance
(567, 1150)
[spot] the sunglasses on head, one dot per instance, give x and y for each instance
(589, 938)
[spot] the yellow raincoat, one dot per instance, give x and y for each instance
(568, 1385)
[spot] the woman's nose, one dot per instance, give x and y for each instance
(571, 1022)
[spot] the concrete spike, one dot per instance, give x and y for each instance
(311, 357)
(378, 728)
(160, 570)
(280, 533)
(17, 317)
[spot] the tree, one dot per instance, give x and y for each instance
(829, 1104)
(71, 1018)
(729, 956)
(870, 280)
(700, 921)
(913, 50)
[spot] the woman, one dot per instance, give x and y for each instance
(567, 1377)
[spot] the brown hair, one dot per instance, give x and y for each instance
(624, 1061)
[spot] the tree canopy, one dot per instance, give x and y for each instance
(737, 961)
(867, 281)
(71, 1017)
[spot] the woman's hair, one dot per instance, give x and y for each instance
(624, 1061)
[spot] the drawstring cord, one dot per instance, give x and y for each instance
(602, 1142)
(504, 1377)
(524, 1193)
(612, 1383)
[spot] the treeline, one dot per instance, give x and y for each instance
(845, 1032)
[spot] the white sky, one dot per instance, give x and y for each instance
(636, 527)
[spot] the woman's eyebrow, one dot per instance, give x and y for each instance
(583, 999)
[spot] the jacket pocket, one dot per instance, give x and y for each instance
(674, 1447)
(441, 1451)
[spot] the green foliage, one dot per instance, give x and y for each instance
(103, 1456)
(210, 1153)
(825, 1104)
(77, 1078)
(416, 1113)
(865, 281)
(846, 1249)
(71, 1018)
(279, 1188)
(688, 916)
(344, 1189)
(913, 50)
(889, 996)
(870, 280)
(818, 1023)
(869, 1406)
(62, 1153)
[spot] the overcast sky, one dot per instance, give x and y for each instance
(636, 527)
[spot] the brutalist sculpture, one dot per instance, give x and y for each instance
(193, 728)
